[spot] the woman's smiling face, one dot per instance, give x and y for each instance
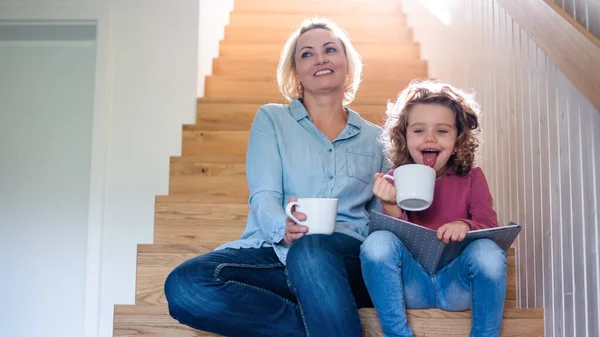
(320, 62)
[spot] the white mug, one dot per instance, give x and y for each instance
(321, 214)
(415, 184)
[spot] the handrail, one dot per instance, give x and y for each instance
(574, 50)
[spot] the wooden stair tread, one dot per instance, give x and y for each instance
(270, 51)
(262, 70)
(369, 84)
(362, 35)
(173, 199)
(197, 223)
(154, 320)
(319, 8)
(202, 166)
(531, 313)
(173, 208)
(216, 158)
(156, 261)
(370, 92)
(192, 174)
(201, 142)
(345, 20)
(222, 114)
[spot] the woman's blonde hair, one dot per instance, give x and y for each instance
(286, 77)
(466, 111)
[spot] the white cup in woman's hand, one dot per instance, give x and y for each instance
(321, 214)
(293, 231)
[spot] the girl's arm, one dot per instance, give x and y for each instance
(265, 178)
(481, 211)
(390, 207)
(393, 210)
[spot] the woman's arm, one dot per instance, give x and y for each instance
(481, 203)
(265, 177)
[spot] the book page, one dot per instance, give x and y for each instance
(421, 242)
(503, 236)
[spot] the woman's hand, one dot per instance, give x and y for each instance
(453, 231)
(384, 190)
(293, 231)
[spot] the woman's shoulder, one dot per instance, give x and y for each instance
(364, 124)
(273, 108)
(272, 113)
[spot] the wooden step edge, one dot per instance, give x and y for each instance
(198, 128)
(212, 159)
(511, 313)
(345, 21)
(183, 248)
(250, 80)
(190, 199)
(235, 100)
(273, 98)
(311, 13)
(144, 248)
(401, 63)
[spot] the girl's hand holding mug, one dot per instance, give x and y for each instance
(384, 190)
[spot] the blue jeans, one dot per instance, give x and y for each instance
(249, 292)
(475, 280)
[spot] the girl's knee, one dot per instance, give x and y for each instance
(487, 258)
(380, 246)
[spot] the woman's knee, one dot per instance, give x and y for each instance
(318, 256)
(487, 258)
(186, 284)
(307, 252)
(380, 246)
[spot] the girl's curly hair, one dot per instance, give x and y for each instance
(466, 111)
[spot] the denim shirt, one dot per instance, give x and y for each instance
(289, 157)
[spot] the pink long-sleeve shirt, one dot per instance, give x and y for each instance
(465, 198)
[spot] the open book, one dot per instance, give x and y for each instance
(434, 254)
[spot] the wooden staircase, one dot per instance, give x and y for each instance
(207, 200)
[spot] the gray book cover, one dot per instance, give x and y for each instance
(434, 254)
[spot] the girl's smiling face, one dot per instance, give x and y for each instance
(431, 135)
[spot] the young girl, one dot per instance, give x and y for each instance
(435, 124)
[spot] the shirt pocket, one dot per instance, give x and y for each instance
(359, 164)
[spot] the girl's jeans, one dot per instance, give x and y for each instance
(249, 292)
(475, 280)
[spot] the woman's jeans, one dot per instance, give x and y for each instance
(249, 292)
(475, 280)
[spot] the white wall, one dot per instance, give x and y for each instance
(147, 77)
(540, 154)
(214, 15)
(46, 106)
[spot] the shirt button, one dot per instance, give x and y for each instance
(330, 150)
(330, 177)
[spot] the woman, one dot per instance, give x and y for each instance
(276, 281)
